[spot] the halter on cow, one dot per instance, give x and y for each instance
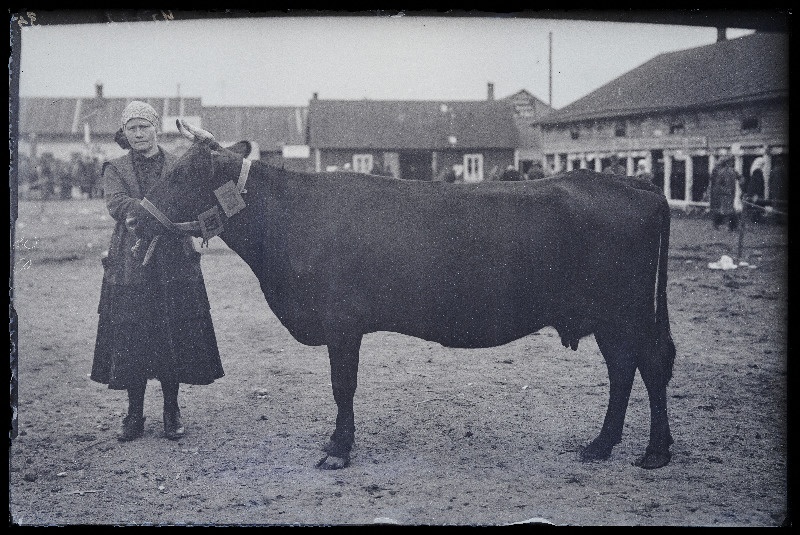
(341, 255)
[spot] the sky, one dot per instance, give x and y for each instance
(283, 61)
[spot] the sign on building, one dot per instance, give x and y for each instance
(296, 151)
(168, 125)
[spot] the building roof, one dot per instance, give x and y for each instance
(411, 124)
(43, 115)
(753, 67)
(270, 127)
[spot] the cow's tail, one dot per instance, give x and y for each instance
(665, 347)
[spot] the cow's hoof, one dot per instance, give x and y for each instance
(330, 462)
(650, 460)
(596, 451)
(337, 448)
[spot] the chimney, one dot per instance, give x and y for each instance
(98, 90)
(316, 96)
(490, 91)
(721, 35)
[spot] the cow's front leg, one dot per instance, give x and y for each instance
(343, 354)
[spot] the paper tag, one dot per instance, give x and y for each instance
(210, 222)
(229, 198)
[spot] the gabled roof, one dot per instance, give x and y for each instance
(752, 67)
(525, 99)
(411, 124)
(270, 127)
(43, 115)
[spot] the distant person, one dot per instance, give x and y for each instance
(753, 192)
(25, 176)
(381, 170)
(447, 174)
(777, 183)
(96, 190)
(615, 167)
(86, 175)
(154, 317)
(46, 176)
(511, 175)
(535, 172)
(723, 194)
(643, 171)
(458, 169)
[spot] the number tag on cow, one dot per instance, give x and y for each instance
(229, 198)
(210, 223)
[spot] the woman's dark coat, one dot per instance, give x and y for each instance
(154, 319)
(723, 189)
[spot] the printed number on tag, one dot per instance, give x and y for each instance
(210, 223)
(229, 198)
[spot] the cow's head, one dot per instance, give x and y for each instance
(199, 193)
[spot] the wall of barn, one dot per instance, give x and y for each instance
(716, 127)
(276, 159)
(329, 158)
(681, 147)
(493, 159)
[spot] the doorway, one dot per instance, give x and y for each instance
(700, 178)
(677, 181)
(416, 165)
(657, 157)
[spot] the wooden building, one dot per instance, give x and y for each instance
(64, 126)
(680, 112)
(528, 109)
(277, 132)
(413, 139)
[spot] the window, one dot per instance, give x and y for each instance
(619, 130)
(574, 133)
(473, 167)
(677, 127)
(751, 124)
(550, 162)
(362, 163)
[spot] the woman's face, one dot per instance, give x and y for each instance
(141, 135)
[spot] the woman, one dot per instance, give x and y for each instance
(643, 172)
(154, 316)
(754, 190)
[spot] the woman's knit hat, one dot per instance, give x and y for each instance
(140, 110)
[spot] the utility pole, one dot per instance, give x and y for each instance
(550, 64)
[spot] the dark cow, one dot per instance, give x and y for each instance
(340, 255)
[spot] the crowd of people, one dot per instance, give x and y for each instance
(732, 196)
(46, 177)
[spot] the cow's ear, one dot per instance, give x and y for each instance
(122, 140)
(242, 148)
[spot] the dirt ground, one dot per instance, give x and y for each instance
(443, 436)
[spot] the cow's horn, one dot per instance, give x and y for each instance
(198, 133)
(183, 130)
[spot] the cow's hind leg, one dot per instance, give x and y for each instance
(343, 354)
(619, 354)
(656, 376)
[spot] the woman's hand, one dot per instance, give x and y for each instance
(130, 222)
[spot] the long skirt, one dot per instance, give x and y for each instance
(155, 331)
